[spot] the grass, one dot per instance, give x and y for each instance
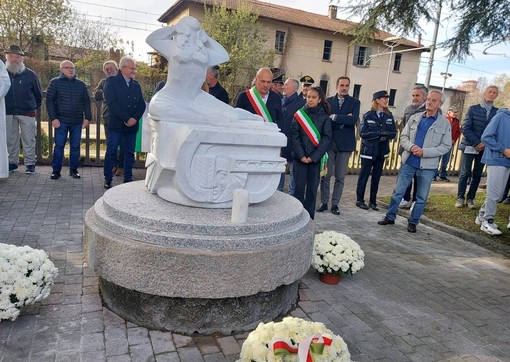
(442, 208)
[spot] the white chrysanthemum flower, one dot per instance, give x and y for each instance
(26, 277)
(334, 252)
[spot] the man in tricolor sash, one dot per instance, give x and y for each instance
(261, 100)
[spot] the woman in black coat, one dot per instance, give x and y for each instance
(311, 136)
(376, 130)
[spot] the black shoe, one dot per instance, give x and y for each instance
(322, 208)
(435, 178)
(386, 221)
(373, 206)
(445, 179)
(55, 175)
(334, 210)
(74, 174)
(411, 228)
(126, 181)
(107, 185)
(361, 205)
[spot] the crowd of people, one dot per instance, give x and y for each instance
(320, 131)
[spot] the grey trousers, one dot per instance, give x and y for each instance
(338, 163)
(28, 129)
(496, 182)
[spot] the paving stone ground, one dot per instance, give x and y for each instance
(429, 296)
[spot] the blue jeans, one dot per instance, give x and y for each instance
(114, 140)
(291, 180)
(471, 167)
(405, 176)
(444, 163)
(74, 131)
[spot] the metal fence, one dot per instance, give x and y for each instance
(94, 146)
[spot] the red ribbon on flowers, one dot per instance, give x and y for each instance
(314, 344)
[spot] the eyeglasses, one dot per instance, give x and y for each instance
(307, 85)
(68, 68)
(132, 68)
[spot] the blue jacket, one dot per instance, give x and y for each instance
(68, 100)
(343, 125)
(474, 124)
(375, 133)
(302, 146)
(123, 103)
(25, 95)
(496, 139)
(290, 106)
(273, 104)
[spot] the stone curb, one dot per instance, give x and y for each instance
(463, 234)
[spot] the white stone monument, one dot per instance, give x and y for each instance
(203, 149)
(169, 254)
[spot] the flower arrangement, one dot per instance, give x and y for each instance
(26, 277)
(293, 340)
(336, 253)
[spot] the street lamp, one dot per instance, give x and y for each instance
(391, 43)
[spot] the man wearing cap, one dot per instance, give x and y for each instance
(68, 106)
(425, 138)
(215, 88)
(451, 116)
(21, 103)
(307, 83)
(261, 100)
(277, 85)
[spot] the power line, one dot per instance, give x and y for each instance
(123, 20)
(114, 7)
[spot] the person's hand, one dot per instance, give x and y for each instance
(306, 159)
(506, 152)
(55, 123)
(130, 122)
(417, 151)
(85, 123)
(479, 147)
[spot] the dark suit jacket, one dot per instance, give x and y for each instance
(123, 103)
(290, 106)
(273, 104)
(343, 125)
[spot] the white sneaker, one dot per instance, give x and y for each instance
(490, 228)
(508, 226)
(478, 220)
(404, 204)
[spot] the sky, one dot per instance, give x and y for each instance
(134, 22)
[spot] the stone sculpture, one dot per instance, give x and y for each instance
(201, 148)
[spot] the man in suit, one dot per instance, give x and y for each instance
(261, 99)
(125, 108)
(215, 88)
(291, 103)
(345, 113)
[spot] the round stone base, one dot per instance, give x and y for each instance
(196, 315)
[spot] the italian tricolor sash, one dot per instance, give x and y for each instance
(258, 104)
(313, 134)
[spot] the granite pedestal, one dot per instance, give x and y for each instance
(189, 270)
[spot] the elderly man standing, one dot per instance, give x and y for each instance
(215, 88)
(291, 103)
(110, 69)
(344, 115)
(261, 99)
(425, 138)
(21, 103)
(125, 108)
(418, 97)
(68, 106)
(5, 84)
(477, 118)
